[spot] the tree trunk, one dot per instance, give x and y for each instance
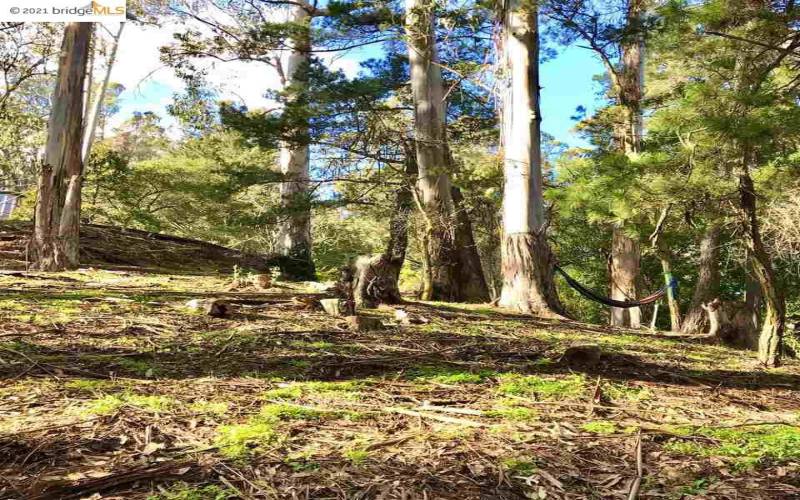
(376, 278)
(707, 286)
(760, 264)
(470, 279)
(450, 254)
(630, 89)
(294, 232)
(55, 241)
(96, 106)
(527, 262)
(624, 272)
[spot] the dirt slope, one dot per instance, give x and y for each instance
(108, 246)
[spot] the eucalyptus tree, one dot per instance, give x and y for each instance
(527, 262)
(453, 270)
(55, 242)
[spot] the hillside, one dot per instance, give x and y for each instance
(113, 388)
(115, 247)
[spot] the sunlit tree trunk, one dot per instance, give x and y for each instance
(294, 232)
(527, 262)
(630, 87)
(444, 231)
(707, 287)
(624, 272)
(760, 265)
(54, 245)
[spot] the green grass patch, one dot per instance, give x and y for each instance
(744, 447)
(513, 384)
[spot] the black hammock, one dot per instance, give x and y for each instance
(627, 304)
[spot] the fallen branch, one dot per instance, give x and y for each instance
(432, 416)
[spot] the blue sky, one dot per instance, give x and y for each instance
(567, 80)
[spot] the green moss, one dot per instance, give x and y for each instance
(520, 466)
(140, 367)
(448, 375)
(243, 440)
(620, 392)
(288, 393)
(90, 385)
(277, 412)
(111, 403)
(356, 456)
(744, 447)
(518, 414)
(600, 427)
(341, 390)
(183, 491)
(209, 407)
(513, 384)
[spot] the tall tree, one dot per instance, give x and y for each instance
(527, 262)
(55, 242)
(453, 270)
(294, 232)
(621, 48)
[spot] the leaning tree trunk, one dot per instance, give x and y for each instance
(665, 257)
(527, 262)
(760, 263)
(445, 270)
(707, 287)
(294, 232)
(54, 245)
(630, 88)
(376, 278)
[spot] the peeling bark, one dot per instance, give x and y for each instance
(55, 240)
(527, 262)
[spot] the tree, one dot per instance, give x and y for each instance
(54, 244)
(527, 262)
(449, 248)
(621, 48)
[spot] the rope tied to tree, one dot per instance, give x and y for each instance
(671, 287)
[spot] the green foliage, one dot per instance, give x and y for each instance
(110, 404)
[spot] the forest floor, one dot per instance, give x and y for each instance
(110, 387)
